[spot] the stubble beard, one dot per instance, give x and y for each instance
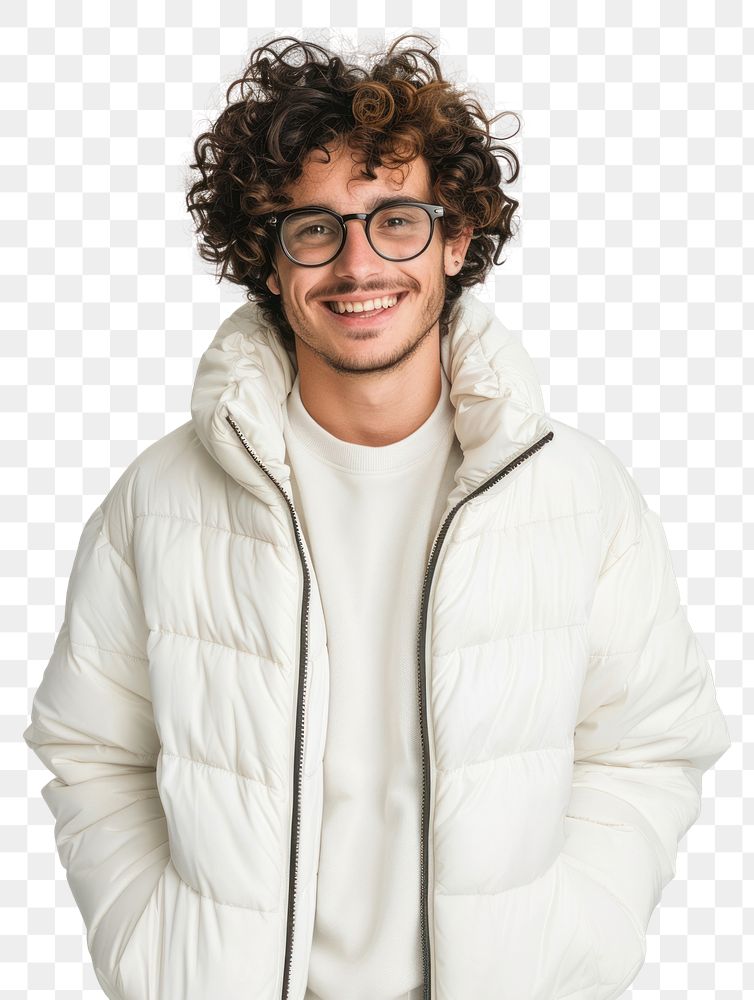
(342, 362)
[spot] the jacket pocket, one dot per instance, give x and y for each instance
(616, 946)
(134, 978)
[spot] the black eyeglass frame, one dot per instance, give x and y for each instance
(278, 218)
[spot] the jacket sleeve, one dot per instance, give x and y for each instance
(92, 726)
(648, 727)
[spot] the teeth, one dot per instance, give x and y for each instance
(386, 302)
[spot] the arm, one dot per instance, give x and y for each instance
(649, 725)
(92, 726)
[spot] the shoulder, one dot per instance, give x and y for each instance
(588, 467)
(165, 475)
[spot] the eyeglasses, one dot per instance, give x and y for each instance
(313, 236)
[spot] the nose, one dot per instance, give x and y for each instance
(357, 260)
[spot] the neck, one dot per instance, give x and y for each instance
(371, 408)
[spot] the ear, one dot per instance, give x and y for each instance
(455, 252)
(272, 282)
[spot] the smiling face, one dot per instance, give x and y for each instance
(353, 343)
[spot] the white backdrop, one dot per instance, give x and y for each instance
(625, 280)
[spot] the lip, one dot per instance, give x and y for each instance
(359, 319)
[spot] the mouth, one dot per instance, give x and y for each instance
(357, 319)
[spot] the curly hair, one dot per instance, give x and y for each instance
(305, 97)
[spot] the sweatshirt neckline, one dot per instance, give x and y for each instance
(418, 446)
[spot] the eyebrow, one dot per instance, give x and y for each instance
(371, 204)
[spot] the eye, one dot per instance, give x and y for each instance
(397, 218)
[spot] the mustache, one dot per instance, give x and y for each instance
(342, 292)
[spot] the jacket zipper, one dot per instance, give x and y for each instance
(421, 644)
(303, 659)
(299, 742)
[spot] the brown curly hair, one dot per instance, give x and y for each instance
(305, 97)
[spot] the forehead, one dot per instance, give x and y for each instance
(341, 184)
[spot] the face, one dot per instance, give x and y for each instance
(356, 344)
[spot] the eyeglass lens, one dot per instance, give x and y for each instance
(397, 232)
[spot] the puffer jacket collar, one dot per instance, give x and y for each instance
(246, 373)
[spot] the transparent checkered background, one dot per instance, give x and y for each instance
(625, 278)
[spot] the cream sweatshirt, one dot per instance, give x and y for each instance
(369, 516)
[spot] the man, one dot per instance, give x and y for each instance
(374, 681)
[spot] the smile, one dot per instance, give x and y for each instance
(360, 312)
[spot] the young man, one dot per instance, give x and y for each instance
(374, 681)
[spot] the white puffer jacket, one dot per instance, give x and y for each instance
(566, 710)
